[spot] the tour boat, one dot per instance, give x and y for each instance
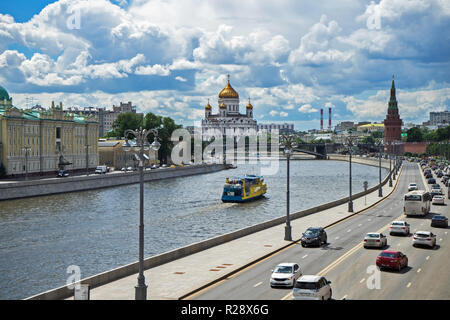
(243, 189)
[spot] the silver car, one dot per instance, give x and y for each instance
(399, 227)
(412, 186)
(285, 274)
(424, 238)
(374, 239)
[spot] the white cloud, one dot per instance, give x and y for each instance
(307, 108)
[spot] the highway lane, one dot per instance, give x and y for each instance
(425, 278)
(253, 282)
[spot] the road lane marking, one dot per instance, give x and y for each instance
(440, 239)
(362, 280)
(428, 257)
(304, 256)
(336, 238)
(408, 285)
(259, 283)
(418, 270)
(359, 225)
(343, 298)
(349, 230)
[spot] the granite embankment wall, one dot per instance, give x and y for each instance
(154, 261)
(32, 188)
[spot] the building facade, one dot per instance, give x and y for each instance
(43, 141)
(111, 154)
(441, 117)
(283, 128)
(228, 121)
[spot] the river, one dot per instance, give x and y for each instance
(97, 230)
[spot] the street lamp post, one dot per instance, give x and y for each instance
(390, 164)
(26, 149)
(379, 143)
(87, 159)
(139, 149)
(349, 142)
(288, 142)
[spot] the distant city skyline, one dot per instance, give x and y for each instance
(290, 58)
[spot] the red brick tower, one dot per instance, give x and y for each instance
(392, 123)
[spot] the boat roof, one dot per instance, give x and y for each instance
(246, 177)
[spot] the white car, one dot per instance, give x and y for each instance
(285, 274)
(311, 287)
(399, 227)
(438, 200)
(412, 186)
(425, 238)
(375, 239)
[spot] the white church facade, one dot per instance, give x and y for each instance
(228, 121)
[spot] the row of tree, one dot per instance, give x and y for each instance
(133, 121)
(416, 134)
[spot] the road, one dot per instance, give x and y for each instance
(348, 265)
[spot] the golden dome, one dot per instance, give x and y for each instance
(228, 91)
(222, 106)
(208, 106)
(249, 105)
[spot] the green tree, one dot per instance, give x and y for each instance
(2, 170)
(431, 136)
(414, 135)
(165, 126)
(124, 121)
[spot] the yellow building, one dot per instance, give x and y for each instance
(111, 154)
(371, 127)
(42, 141)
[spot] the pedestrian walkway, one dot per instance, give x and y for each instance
(180, 277)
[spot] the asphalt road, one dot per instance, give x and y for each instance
(349, 266)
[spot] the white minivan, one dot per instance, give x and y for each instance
(311, 287)
(417, 203)
(101, 169)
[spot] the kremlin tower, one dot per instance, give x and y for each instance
(392, 123)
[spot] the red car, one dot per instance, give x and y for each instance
(392, 260)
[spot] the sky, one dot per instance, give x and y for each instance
(290, 57)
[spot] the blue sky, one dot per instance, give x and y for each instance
(292, 58)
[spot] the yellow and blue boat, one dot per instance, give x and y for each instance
(243, 189)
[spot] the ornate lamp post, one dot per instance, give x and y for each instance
(389, 143)
(138, 149)
(288, 141)
(379, 144)
(26, 149)
(349, 143)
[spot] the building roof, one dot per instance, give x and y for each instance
(228, 91)
(371, 125)
(3, 94)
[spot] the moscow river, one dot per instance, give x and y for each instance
(98, 230)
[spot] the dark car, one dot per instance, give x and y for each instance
(62, 173)
(431, 181)
(314, 236)
(428, 175)
(439, 221)
(440, 174)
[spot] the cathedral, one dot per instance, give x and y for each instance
(228, 121)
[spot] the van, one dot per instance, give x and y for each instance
(100, 169)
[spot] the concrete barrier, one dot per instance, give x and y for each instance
(154, 261)
(33, 188)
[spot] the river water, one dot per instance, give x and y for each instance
(97, 230)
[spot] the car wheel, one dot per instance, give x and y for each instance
(399, 267)
(303, 245)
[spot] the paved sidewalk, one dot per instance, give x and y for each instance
(180, 277)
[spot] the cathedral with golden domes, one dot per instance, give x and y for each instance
(228, 121)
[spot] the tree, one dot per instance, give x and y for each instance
(414, 135)
(165, 126)
(2, 170)
(124, 121)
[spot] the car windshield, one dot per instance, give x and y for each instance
(306, 285)
(397, 223)
(373, 235)
(422, 235)
(387, 254)
(311, 232)
(412, 184)
(283, 269)
(438, 218)
(413, 197)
